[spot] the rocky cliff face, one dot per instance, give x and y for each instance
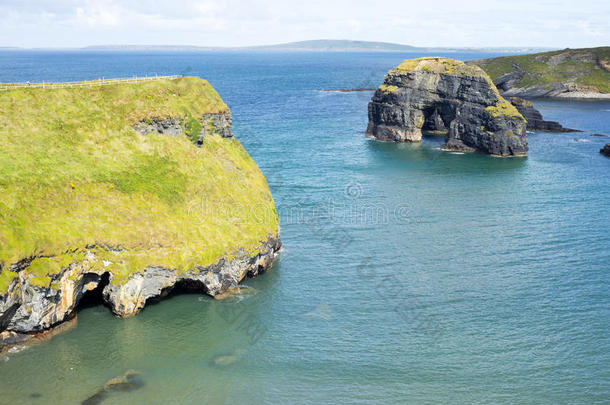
(213, 123)
(441, 94)
(28, 307)
(220, 124)
(535, 122)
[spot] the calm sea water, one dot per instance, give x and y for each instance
(409, 275)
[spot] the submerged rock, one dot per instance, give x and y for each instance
(323, 312)
(605, 150)
(127, 382)
(130, 381)
(227, 360)
(535, 122)
(441, 94)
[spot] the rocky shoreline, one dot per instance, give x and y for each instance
(27, 310)
(507, 82)
(563, 74)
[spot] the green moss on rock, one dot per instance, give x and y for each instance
(6, 276)
(388, 89)
(437, 65)
(503, 108)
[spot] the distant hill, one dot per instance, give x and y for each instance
(321, 45)
(334, 45)
(339, 46)
(315, 45)
(569, 73)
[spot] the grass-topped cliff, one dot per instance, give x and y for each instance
(448, 66)
(77, 179)
(565, 73)
(443, 95)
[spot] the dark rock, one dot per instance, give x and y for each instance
(42, 308)
(220, 124)
(600, 135)
(441, 94)
(535, 122)
(167, 126)
(509, 80)
(10, 338)
(605, 150)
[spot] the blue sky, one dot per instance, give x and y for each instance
(71, 23)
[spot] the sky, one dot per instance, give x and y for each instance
(446, 23)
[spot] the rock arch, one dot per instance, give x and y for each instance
(442, 94)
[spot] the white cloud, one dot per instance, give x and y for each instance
(98, 13)
(557, 23)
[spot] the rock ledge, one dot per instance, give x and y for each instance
(27, 308)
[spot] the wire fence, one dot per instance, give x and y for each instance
(90, 83)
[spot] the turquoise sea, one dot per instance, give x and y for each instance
(408, 274)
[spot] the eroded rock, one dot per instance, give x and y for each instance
(535, 122)
(215, 123)
(441, 94)
(168, 126)
(220, 124)
(29, 308)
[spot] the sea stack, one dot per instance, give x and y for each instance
(441, 94)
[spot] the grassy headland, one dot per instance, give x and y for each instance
(76, 177)
(588, 68)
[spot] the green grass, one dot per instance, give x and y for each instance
(436, 64)
(74, 173)
(539, 70)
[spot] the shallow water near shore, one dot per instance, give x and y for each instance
(408, 274)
